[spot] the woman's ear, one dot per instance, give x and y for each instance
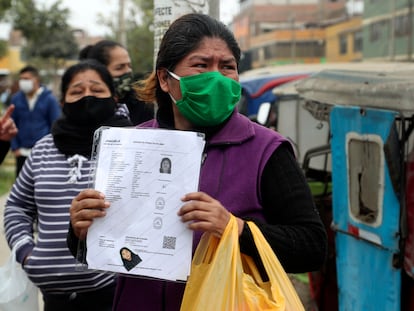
(163, 79)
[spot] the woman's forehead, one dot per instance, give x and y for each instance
(87, 76)
(212, 45)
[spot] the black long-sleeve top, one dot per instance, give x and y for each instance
(4, 148)
(139, 111)
(294, 229)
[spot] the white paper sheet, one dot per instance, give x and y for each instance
(144, 202)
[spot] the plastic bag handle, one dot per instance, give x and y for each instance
(272, 264)
(220, 279)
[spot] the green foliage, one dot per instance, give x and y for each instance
(3, 48)
(49, 36)
(7, 178)
(141, 49)
(147, 9)
(140, 36)
(4, 6)
(7, 174)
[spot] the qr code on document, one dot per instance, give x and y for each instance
(169, 242)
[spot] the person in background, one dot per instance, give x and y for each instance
(36, 108)
(12, 87)
(7, 131)
(249, 171)
(5, 92)
(54, 173)
(116, 59)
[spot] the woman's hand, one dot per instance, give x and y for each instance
(204, 213)
(86, 206)
(8, 128)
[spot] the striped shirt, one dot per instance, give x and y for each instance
(44, 190)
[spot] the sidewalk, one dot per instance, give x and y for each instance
(4, 247)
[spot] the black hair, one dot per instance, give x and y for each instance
(33, 70)
(87, 64)
(99, 51)
(184, 36)
(83, 53)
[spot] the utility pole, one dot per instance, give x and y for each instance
(292, 30)
(121, 23)
(391, 47)
(410, 31)
(214, 8)
(321, 10)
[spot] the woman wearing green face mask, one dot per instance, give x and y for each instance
(118, 62)
(248, 170)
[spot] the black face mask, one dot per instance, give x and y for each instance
(90, 110)
(123, 84)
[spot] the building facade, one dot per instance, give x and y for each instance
(388, 30)
(344, 41)
(293, 31)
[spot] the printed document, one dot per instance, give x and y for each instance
(143, 174)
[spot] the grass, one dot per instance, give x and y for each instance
(7, 174)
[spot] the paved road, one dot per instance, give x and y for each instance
(4, 248)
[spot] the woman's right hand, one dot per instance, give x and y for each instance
(8, 128)
(86, 206)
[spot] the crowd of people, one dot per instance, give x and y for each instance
(117, 60)
(248, 171)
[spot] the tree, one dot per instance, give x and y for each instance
(4, 6)
(140, 37)
(50, 40)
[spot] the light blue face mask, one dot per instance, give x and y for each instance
(208, 98)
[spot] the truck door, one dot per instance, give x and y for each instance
(366, 208)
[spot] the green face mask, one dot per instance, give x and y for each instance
(208, 98)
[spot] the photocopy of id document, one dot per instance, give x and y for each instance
(143, 174)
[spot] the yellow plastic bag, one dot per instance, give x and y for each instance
(222, 279)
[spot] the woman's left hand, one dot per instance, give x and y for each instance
(204, 213)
